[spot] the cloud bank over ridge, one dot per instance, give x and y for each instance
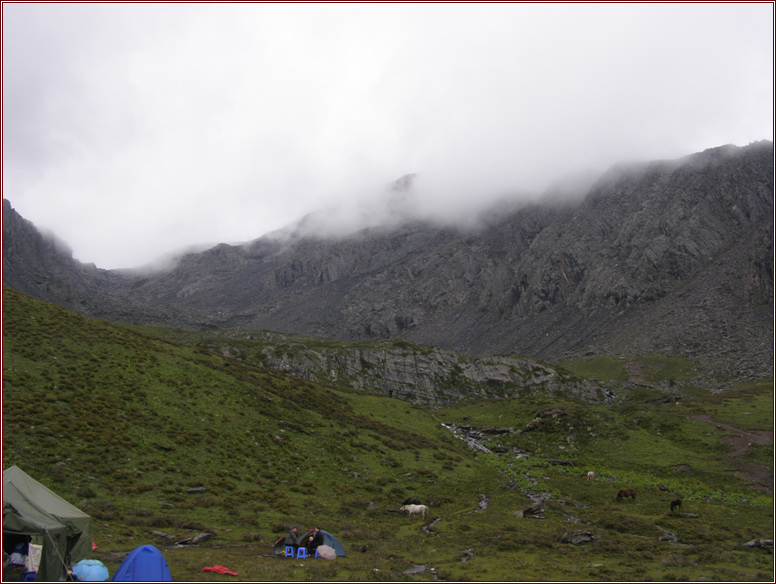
(133, 129)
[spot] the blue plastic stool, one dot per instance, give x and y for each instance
(317, 555)
(29, 576)
(290, 551)
(301, 553)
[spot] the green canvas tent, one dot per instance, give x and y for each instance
(30, 509)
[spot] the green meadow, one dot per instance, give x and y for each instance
(161, 439)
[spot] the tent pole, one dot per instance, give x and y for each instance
(54, 545)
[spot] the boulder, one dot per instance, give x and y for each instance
(577, 537)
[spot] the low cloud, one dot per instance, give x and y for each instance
(134, 130)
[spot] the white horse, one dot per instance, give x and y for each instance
(410, 509)
(591, 476)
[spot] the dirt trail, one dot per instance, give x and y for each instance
(759, 476)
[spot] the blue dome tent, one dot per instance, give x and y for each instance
(328, 539)
(91, 571)
(143, 564)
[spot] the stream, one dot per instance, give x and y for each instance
(473, 439)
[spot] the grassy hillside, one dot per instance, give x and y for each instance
(155, 438)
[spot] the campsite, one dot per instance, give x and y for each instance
(164, 440)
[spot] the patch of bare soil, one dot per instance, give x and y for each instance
(758, 475)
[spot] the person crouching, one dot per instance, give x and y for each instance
(314, 541)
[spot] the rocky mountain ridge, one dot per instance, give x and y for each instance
(668, 257)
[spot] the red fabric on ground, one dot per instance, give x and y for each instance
(219, 569)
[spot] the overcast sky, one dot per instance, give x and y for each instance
(132, 130)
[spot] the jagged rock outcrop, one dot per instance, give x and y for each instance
(670, 257)
(423, 375)
(39, 264)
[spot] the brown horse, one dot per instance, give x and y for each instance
(625, 493)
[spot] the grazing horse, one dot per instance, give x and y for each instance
(412, 501)
(675, 503)
(411, 509)
(625, 493)
(591, 476)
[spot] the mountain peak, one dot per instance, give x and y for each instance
(404, 183)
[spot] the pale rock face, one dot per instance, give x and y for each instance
(433, 377)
